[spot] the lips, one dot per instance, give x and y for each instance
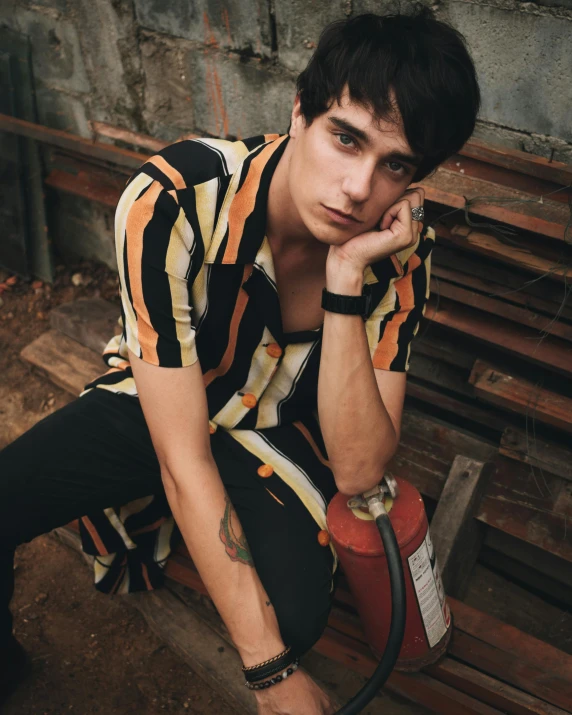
(340, 216)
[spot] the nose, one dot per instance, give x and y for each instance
(358, 182)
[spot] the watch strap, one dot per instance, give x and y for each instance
(347, 304)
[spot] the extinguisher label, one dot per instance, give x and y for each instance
(429, 589)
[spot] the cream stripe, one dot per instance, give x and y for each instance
(264, 260)
(127, 386)
(259, 375)
(289, 472)
(123, 207)
(373, 323)
(285, 377)
(222, 222)
(177, 265)
(233, 152)
(205, 201)
(162, 544)
(119, 528)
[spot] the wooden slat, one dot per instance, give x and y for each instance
(522, 396)
(536, 321)
(529, 676)
(513, 338)
(90, 321)
(468, 239)
(468, 409)
(417, 687)
(531, 303)
(66, 362)
(489, 690)
(73, 143)
(87, 184)
(453, 253)
(520, 161)
(536, 452)
(545, 530)
(511, 640)
(456, 535)
(524, 211)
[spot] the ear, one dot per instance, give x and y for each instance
(296, 118)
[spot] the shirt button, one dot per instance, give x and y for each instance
(274, 350)
(265, 470)
(323, 537)
(249, 400)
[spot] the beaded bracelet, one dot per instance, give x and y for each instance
(276, 679)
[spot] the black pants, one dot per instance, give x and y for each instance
(96, 452)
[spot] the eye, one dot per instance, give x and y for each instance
(400, 168)
(345, 139)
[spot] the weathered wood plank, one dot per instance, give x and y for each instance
(66, 362)
(456, 535)
(540, 454)
(501, 293)
(489, 690)
(509, 639)
(467, 238)
(92, 322)
(521, 396)
(518, 340)
(538, 322)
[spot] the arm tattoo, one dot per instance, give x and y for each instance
(235, 545)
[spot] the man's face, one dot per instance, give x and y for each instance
(345, 170)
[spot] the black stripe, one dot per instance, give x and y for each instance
(155, 281)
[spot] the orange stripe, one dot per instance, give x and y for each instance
(95, 536)
(137, 221)
(149, 527)
(274, 496)
(146, 577)
(243, 202)
(228, 357)
(387, 348)
(304, 430)
(121, 575)
(171, 173)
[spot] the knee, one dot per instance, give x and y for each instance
(302, 620)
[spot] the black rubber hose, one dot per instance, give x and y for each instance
(397, 628)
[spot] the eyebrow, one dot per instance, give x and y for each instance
(412, 159)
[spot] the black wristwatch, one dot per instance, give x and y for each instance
(348, 304)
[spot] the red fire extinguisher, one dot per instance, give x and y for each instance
(395, 579)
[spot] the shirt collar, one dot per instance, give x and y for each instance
(241, 223)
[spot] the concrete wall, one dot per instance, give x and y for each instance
(228, 67)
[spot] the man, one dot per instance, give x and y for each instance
(240, 394)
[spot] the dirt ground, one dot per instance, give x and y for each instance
(91, 653)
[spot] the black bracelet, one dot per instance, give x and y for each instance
(264, 670)
(276, 679)
(269, 670)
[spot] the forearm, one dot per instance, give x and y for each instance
(358, 432)
(215, 540)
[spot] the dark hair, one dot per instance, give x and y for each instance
(424, 61)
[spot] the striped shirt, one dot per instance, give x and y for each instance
(197, 282)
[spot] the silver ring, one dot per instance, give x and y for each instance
(418, 213)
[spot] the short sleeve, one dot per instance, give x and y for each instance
(154, 246)
(395, 322)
